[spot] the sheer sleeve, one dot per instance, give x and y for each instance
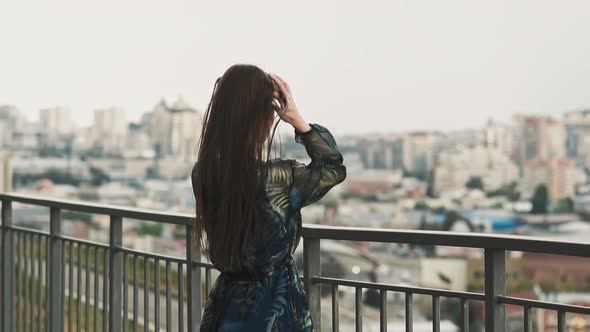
(325, 170)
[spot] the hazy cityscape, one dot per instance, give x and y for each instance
(527, 177)
(460, 122)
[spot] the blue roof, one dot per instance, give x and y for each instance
(500, 221)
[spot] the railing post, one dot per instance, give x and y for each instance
(193, 254)
(495, 284)
(116, 274)
(55, 284)
(7, 267)
(311, 269)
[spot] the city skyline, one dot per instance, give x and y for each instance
(386, 66)
(37, 118)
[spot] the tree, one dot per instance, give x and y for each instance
(98, 177)
(149, 229)
(565, 205)
(452, 217)
(509, 190)
(430, 184)
(421, 205)
(474, 182)
(498, 205)
(540, 200)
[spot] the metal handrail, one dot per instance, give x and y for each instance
(26, 253)
(451, 239)
(104, 209)
(118, 261)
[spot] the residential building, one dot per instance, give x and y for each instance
(559, 175)
(455, 167)
(577, 126)
(418, 154)
(110, 129)
(5, 173)
(8, 123)
(175, 130)
(56, 124)
(542, 138)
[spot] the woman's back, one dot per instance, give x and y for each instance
(267, 293)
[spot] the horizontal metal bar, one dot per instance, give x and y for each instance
(166, 258)
(105, 209)
(452, 239)
(203, 265)
(456, 239)
(544, 305)
(144, 254)
(400, 289)
(84, 242)
(26, 230)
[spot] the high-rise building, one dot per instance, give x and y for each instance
(175, 129)
(542, 138)
(559, 175)
(110, 129)
(138, 142)
(418, 152)
(455, 167)
(381, 153)
(56, 124)
(8, 124)
(543, 157)
(500, 137)
(577, 126)
(5, 174)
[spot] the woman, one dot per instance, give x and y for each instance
(248, 218)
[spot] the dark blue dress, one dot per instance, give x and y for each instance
(275, 299)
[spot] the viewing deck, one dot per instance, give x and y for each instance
(46, 277)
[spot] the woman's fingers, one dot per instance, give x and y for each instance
(285, 84)
(287, 109)
(280, 84)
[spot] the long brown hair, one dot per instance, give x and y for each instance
(226, 180)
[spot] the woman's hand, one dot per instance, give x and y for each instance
(287, 109)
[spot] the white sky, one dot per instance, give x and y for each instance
(354, 66)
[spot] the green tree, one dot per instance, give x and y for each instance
(451, 217)
(565, 205)
(509, 190)
(421, 205)
(567, 285)
(498, 205)
(430, 184)
(540, 200)
(98, 177)
(474, 182)
(75, 215)
(154, 229)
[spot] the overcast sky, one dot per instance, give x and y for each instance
(354, 66)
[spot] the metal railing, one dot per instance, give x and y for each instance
(46, 277)
(494, 297)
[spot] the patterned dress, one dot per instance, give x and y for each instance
(274, 299)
